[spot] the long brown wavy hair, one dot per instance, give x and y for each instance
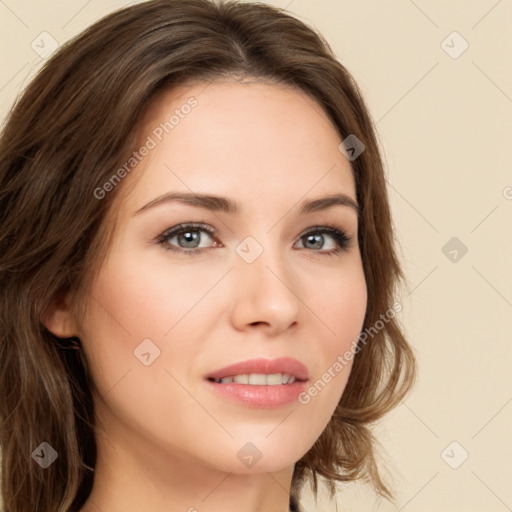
(67, 135)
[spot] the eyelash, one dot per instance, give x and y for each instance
(340, 237)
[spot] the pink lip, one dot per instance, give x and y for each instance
(261, 397)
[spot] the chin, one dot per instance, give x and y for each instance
(262, 453)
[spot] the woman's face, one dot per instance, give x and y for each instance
(169, 312)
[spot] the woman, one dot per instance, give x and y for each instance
(197, 269)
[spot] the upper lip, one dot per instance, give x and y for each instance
(283, 365)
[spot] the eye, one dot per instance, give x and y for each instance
(194, 238)
(187, 238)
(317, 237)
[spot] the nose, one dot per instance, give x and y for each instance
(265, 296)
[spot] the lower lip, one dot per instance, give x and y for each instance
(261, 397)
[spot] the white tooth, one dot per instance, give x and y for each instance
(258, 379)
(274, 379)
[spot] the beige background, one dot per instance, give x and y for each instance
(445, 124)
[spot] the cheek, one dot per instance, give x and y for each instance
(137, 309)
(147, 299)
(341, 304)
(132, 301)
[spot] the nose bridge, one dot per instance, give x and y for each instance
(264, 285)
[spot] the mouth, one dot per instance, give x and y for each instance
(261, 372)
(258, 379)
(260, 383)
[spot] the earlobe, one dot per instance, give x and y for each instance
(59, 320)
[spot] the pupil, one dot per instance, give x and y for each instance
(317, 240)
(191, 237)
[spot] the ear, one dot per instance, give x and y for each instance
(59, 319)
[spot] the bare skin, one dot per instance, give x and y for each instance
(166, 441)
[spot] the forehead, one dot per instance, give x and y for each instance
(253, 141)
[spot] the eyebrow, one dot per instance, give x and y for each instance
(223, 204)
